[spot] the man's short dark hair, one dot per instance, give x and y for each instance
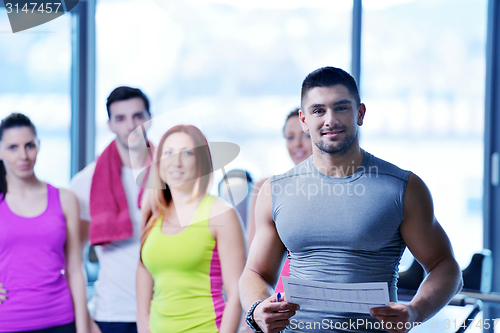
(327, 77)
(124, 93)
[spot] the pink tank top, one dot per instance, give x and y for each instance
(32, 268)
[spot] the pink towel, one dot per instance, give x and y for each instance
(108, 203)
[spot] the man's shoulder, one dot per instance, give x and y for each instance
(300, 169)
(83, 176)
(80, 185)
(381, 167)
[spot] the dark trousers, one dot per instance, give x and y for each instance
(69, 328)
(112, 327)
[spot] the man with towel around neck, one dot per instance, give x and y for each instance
(109, 199)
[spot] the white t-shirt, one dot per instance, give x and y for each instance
(115, 297)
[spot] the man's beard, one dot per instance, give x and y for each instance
(336, 149)
(122, 143)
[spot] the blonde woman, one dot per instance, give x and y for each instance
(192, 244)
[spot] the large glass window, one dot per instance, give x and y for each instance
(35, 72)
(242, 63)
(423, 79)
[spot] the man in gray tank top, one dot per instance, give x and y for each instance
(344, 216)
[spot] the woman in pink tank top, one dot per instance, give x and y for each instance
(42, 287)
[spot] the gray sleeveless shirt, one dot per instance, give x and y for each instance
(343, 230)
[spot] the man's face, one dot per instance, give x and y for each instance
(331, 116)
(125, 116)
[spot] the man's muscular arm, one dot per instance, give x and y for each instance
(430, 245)
(262, 270)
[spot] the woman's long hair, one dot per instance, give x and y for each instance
(160, 191)
(11, 121)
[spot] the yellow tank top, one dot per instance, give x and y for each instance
(187, 276)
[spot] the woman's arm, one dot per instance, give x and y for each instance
(144, 294)
(228, 233)
(144, 280)
(74, 274)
